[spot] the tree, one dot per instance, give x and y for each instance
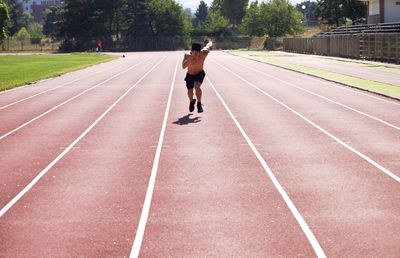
(52, 21)
(201, 14)
(35, 31)
(308, 9)
(82, 25)
(4, 18)
(336, 11)
(215, 5)
(216, 24)
(26, 20)
(356, 10)
(137, 18)
(279, 18)
(16, 12)
(109, 10)
(252, 23)
(22, 35)
(168, 18)
(330, 11)
(83, 22)
(234, 10)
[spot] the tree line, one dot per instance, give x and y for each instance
(15, 22)
(120, 23)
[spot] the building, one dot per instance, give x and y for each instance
(383, 11)
(37, 7)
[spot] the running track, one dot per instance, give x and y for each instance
(108, 162)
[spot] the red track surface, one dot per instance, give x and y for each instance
(335, 155)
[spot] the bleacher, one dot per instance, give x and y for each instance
(363, 29)
(379, 42)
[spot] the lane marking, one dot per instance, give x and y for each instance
(334, 84)
(71, 146)
(363, 156)
(150, 189)
(322, 97)
(40, 93)
(69, 100)
(307, 231)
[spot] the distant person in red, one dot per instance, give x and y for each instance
(194, 63)
(99, 45)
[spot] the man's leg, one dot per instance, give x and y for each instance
(191, 100)
(199, 93)
(190, 94)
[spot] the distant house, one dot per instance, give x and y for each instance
(383, 11)
(37, 7)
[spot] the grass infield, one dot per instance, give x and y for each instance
(372, 86)
(16, 70)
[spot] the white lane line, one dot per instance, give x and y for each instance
(150, 189)
(307, 231)
(331, 84)
(365, 157)
(59, 157)
(322, 97)
(64, 84)
(65, 102)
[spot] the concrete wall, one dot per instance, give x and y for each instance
(372, 19)
(392, 11)
(373, 7)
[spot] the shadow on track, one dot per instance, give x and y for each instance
(185, 120)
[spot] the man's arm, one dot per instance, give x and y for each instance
(185, 61)
(208, 47)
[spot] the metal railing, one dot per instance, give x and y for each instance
(14, 45)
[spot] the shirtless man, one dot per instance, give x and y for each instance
(195, 75)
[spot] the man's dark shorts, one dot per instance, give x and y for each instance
(190, 79)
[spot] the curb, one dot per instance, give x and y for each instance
(315, 76)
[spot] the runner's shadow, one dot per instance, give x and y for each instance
(185, 120)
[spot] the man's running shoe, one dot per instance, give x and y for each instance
(191, 105)
(199, 107)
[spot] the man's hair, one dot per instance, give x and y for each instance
(196, 47)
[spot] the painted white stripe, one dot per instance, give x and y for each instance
(365, 157)
(62, 85)
(331, 84)
(322, 97)
(69, 100)
(150, 189)
(307, 231)
(59, 157)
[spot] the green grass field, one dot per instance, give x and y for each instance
(16, 70)
(373, 86)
